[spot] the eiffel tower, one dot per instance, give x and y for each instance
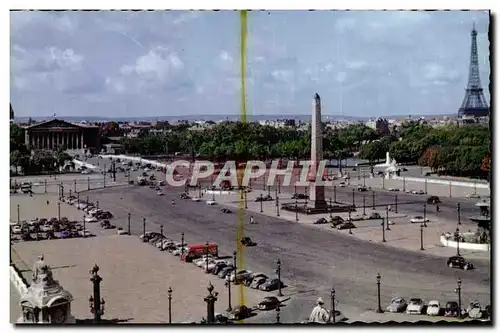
(474, 103)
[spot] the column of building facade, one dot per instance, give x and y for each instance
(75, 140)
(83, 144)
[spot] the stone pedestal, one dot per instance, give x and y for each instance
(46, 301)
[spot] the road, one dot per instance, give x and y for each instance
(313, 260)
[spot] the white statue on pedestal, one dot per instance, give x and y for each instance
(46, 301)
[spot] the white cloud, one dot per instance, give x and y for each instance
(359, 64)
(225, 56)
(439, 74)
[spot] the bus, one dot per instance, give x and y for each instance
(195, 251)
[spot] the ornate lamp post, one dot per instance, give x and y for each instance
(206, 257)
(457, 239)
(210, 299)
(278, 271)
(379, 309)
(19, 213)
(279, 185)
(128, 221)
(278, 316)
(364, 206)
(459, 292)
(373, 200)
(261, 199)
(353, 199)
(245, 195)
(387, 218)
(96, 303)
(228, 285)
(335, 193)
(383, 230)
(458, 213)
(169, 305)
(58, 211)
(296, 211)
(144, 229)
(77, 200)
(425, 215)
(96, 204)
(277, 206)
(330, 208)
(332, 296)
(421, 237)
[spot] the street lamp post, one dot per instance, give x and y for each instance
(296, 211)
(295, 190)
(364, 206)
(228, 285)
(264, 184)
(353, 201)
(206, 257)
(279, 185)
(350, 221)
(268, 189)
(421, 237)
(383, 230)
(128, 222)
(364, 179)
(404, 184)
(387, 217)
(425, 185)
(96, 303)
(70, 192)
(277, 206)
(88, 183)
(245, 195)
(169, 305)
(335, 193)
(261, 200)
(457, 239)
(459, 292)
(182, 244)
(278, 271)
(210, 299)
(144, 229)
(278, 316)
(19, 214)
(332, 295)
(425, 215)
(379, 309)
(97, 204)
(77, 200)
(330, 208)
(373, 200)
(58, 212)
(458, 213)
(84, 234)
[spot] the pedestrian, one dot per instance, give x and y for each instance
(173, 202)
(437, 208)
(48, 202)
(319, 314)
(251, 220)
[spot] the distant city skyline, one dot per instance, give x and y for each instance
(154, 64)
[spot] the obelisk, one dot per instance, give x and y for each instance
(317, 192)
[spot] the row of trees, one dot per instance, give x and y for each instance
(36, 162)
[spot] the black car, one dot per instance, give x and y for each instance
(362, 188)
(271, 284)
(433, 200)
(225, 210)
(185, 196)
(269, 303)
(321, 221)
(240, 312)
(459, 262)
(225, 271)
(451, 309)
(264, 198)
(300, 196)
(247, 241)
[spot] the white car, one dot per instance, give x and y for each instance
(85, 233)
(203, 261)
(46, 228)
(212, 264)
(17, 229)
(147, 169)
(418, 219)
(473, 196)
(91, 219)
(195, 261)
(417, 192)
(342, 184)
(433, 308)
(167, 243)
(211, 202)
(120, 231)
(86, 172)
(177, 251)
(415, 306)
(160, 193)
(241, 272)
(196, 199)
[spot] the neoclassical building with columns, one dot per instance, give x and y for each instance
(54, 134)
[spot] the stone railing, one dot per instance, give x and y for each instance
(442, 182)
(18, 281)
(448, 241)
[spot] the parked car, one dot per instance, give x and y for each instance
(271, 284)
(356, 217)
(258, 281)
(474, 310)
(219, 267)
(433, 308)
(418, 219)
(238, 276)
(459, 262)
(196, 199)
(300, 196)
(225, 210)
(346, 225)
(120, 231)
(185, 196)
(473, 196)
(226, 271)
(240, 312)
(17, 229)
(393, 189)
(178, 250)
(342, 184)
(433, 200)
(362, 188)
(321, 221)
(91, 219)
(214, 263)
(269, 303)
(249, 279)
(398, 304)
(211, 203)
(375, 216)
(415, 306)
(451, 309)
(247, 241)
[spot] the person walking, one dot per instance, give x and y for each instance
(251, 220)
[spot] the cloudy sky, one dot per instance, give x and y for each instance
(123, 64)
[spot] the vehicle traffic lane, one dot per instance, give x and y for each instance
(313, 259)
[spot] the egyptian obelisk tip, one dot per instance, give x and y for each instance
(316, 97)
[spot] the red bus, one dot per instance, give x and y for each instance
(199, 250)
